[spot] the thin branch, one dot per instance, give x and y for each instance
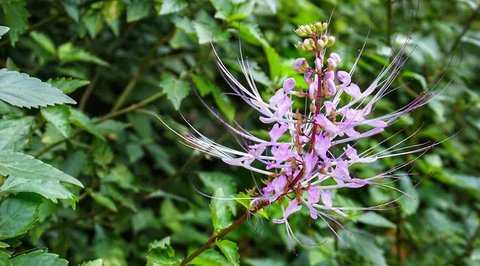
(142, 66)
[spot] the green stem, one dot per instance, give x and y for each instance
(142, 66)
(131, 108)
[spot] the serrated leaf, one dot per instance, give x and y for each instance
(3, 30)
(230, 251)
(68, 53)
(16, 17)
(18, 214)
(21, 90)
(68, 85)
(245, 200)
(171, 6)
(175, 89)
(84, 122)
(221, 216)
(209, 257)
(97, 262)
(14, 132)
(102, 153)
(104, 201)
(52, 190)
(138, 9)
(25, 166)
(59, 117)
(38, 257)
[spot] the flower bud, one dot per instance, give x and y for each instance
(320, 44)
(331, 41)
(309, 43)
(301, 65)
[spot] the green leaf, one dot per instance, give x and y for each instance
(59, 117)
(44, 41)
(209, 33)
(206, 87)
(52, 190)
(3, 30)
(221, 216)
(18, 214)
(372, 218)
(244, 199)
(210, 257)
(274, 62)
(24, 91)
(97, 262)
(102, 153)
(230, 250)
(16, 17)
(215, 180)
(68, 85)
(138, 9)
(363, 244)
(38, 257)
(104, 201)
(68, 53)
(409, 204)
(14, 132)
(84, 122)
(25, 166)
(160, 253)
(175, 89)
(171, 6)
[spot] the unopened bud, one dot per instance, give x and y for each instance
(331, 41)
(320, 44)
(301, 65)
(309, 43)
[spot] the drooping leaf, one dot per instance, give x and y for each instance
(221, 216)
(59, 117)
(14, 132)
(230, 251)
(68, 53)
(25, 166)
(68, 85)
(16, 17)
(175, 89)
(52, 190)
(44, 41)
(38, 257)
(104, 201)
(21, 90)
(18, 214)
(84, 122)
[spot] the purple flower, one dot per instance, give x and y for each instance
(318, 146)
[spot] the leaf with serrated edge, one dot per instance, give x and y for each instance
(21, 90)
(25, 166)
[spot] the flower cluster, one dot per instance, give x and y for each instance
(308, 154)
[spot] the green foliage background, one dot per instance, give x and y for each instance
(142, 198)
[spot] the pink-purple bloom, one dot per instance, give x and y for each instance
(309, 154)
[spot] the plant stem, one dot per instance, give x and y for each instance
(142, 66)
(131, 108)
(211, 241)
